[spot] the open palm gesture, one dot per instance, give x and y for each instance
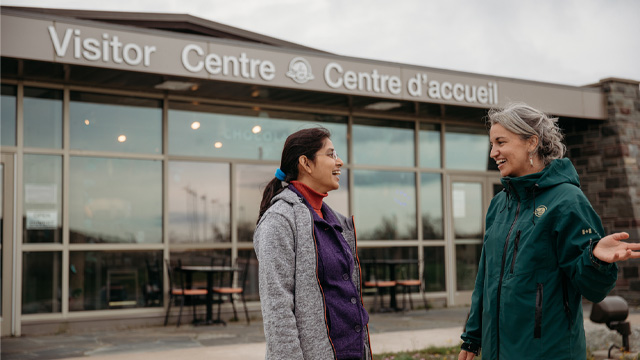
(610, 249)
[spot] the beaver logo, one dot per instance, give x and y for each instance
(540, 210)
(300, 70)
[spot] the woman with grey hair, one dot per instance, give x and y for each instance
(544, 248)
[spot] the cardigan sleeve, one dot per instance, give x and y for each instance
(274, 244)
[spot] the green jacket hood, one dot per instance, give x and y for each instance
(559, 171)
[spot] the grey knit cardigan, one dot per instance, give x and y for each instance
(293, 307)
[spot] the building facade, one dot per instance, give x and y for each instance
(128, 139)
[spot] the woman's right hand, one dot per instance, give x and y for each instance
(466, 355)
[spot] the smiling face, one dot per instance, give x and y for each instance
(511, 153)
(322, 174)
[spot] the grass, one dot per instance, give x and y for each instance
(425, 354)
(449, 353)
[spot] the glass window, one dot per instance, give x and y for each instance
(434, 274)
(243, 133)
(42, 198)
(429, 145)
(42, 118)
(385, 205)
(199, 202)
(467, 259)
(115, 279)
(41, 282)
(115, 123)
(381, 142)
(115, 200)
(467, 210)
(466, 148)
(8, 113)
(431, 203)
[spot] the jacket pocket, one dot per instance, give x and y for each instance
(537, 330)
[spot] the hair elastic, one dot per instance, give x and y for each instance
(280, 175)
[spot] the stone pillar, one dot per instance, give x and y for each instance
(607, 157)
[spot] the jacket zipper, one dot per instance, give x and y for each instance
(504, 256)
(537, 330)
(515, 250)
(324, 302)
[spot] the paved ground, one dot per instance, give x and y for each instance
(390, 332)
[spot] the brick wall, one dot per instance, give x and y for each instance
(607, 157)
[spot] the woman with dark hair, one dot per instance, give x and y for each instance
(309, 270)
(544, 248)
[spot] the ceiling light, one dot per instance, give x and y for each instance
(86, 121)
(383, 105)
(195, 125)
(256, 129)
(177, 85)
(217, 145)
(122, 138)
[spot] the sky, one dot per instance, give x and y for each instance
(570, 42)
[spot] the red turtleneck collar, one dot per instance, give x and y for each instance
(313, 197)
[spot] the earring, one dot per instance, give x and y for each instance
(531, 160)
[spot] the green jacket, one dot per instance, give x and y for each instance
(535, 266)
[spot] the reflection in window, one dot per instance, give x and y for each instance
(115, 200)
(467, 259)
(431, 203)
(466, 148)
(42, 199)
(243, 134)
(467, 210)
(385, 205)
(434, 274)
(42, 118)
(8, 116)
(115, 123)
(199, 202)
(429, 145)
(379, 142)
(115, 279)
(41, 282)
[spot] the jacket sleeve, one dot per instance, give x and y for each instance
(577, 232)
(274, 244)
(472, 336)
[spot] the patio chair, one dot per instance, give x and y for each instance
(180, 292)
(226, 286)
(375, 279)
(407, 283)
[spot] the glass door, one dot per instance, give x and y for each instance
(6, 244)
(469, 198)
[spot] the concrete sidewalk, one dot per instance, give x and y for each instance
(381, 343)
(390, 332)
